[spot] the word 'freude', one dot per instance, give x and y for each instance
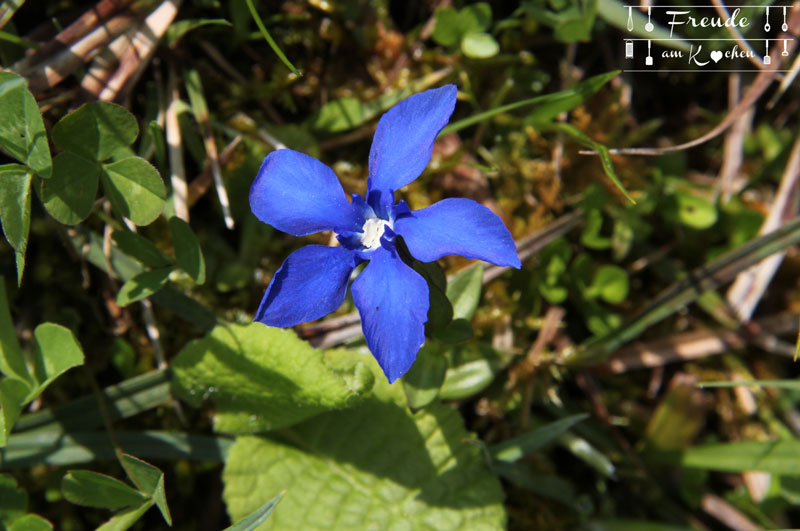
(706, 22)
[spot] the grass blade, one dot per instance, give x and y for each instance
(268, 38)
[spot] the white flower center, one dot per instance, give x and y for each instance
(372, 231)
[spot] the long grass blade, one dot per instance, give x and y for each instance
(268, 38)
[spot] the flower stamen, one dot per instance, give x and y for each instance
(372, 232)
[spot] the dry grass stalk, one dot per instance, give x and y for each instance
(180, 190)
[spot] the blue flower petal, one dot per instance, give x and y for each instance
(300, 195)
(393, 302)
(457, 226)
(310, 284)
(403, 142)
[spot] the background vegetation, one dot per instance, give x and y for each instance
(634, 374)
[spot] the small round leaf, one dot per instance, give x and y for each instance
(135, 189)
(96, 130)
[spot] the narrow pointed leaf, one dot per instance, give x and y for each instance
(258, 517)
(464, 291)
(140, 248)
(15, 210)
(30, 522)
(516, 448)
(126, 518)
(13, 393)
(143, 285)
(92, 489)
(12, 362)
(148, 479)
(187, 249)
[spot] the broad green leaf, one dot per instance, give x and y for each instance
(479, 45)
(551, 104)
(467, 379)
(143, 285)
(92, 489)
(135, 189)
(13, 393)
(15, 209)
(515, 449)
(140, 248)
(694, 211)
(187, 249)
(148, 479)
(57, 351)
(70, 193)
(422, 382)
(96, 130)
(456, 331)
(257, 517)
(22, 133)
(126, 518)
(440, 311)
(464, 291)
(12, 361)
(376, 466)
(475, 17)
(447, 30)
(30, 522)
(264, 378)
(610, 283)
(13, 500)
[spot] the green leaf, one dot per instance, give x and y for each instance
(30, 522)
(125, 519)
(778, 457)
(135, 189)
(180, 28)
(467, 379)
(92, 489)
(475, 17)
(479, 45)
(447, 29)
(12, 362)
(440, 311)
(148, 479)
(57, 351)
(13, 500)
(464, 291)
(264, 378)
(376, 466)
(268, 38)
(515, 449)
(422, 382)
(344, 114)
(140, 248)
(257, 517)
(143, 285)
(694, 211)
(602, 151)
(551, 104)
(15, 209)
(187, 249)
(13, 393)
(70, 193)
(610, 283)
(96, 130)
(545, 485)
(22, 133)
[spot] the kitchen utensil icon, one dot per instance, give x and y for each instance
(784, 27)
(629, 49)
(649, 26)
(785, 52)
(767, 59)
(766, 25)
(649, 59)
(630, 18)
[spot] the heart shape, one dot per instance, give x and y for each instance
(716, 55)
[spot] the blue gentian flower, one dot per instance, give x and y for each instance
(296, 193)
